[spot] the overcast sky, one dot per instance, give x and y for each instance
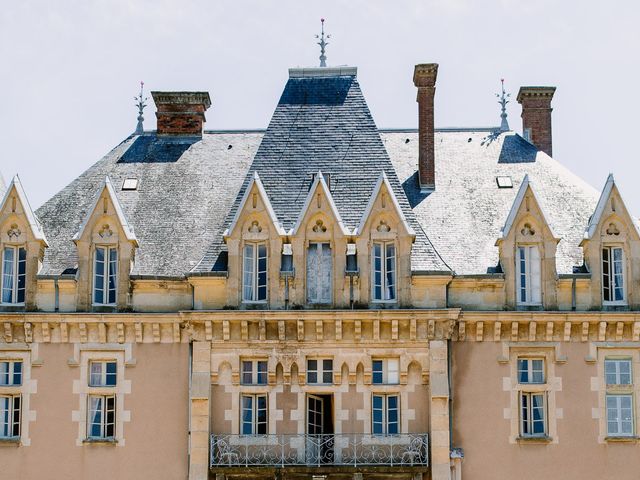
(70, 70)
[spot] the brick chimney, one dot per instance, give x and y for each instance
(181, 113)
(536, 116)
(424, 77)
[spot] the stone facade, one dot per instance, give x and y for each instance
(407, 365)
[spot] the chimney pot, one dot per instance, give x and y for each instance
(536, 116)
(181, 113)
(424, 77)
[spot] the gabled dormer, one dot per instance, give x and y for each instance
(384, 240)
(22, 244)
(106, 247)
(527, 252)
(319, 244)
(611, 248)
(254, 242)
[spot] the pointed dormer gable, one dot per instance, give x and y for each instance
(383, 202)
(105, 206)
(318, 198)
(254, 201)
(16, 212)
(611, 216)
(527, 214)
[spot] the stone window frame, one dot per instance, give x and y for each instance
(83, 356)
(629, 350)
(28, 356)
(625, 276)
(513, 351)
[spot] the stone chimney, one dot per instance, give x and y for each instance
(181, 113)
(536, 116)
(424, 77)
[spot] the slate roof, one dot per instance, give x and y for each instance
(324, 124)
(464, 215)
(189, 187)
(186, 187)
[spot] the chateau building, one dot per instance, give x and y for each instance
(322, 299)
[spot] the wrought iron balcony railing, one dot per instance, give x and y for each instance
(345, 449)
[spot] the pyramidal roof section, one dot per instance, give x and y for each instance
(322, 123)
(34, 223)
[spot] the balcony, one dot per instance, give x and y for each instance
(327, 450)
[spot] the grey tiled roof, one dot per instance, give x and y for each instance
(324, 124)
(186, 187)
(464, 215)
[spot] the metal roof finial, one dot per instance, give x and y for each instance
(502, 100)
(323, 44)
(141, 104)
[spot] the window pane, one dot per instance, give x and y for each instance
(390, 293)
(247, 415)
(111, 374)
(4, 373)
(617, 274)
(606, 278)
(261, 415)
(377, 371)
(247, 282)
(110, 423)
(98, 280)
(247, 372)
(7, 275)
(524, 413)
(523, 370)
(17, 373)
(313, 268)
(113, 275)
(326, 264)
(393, 370)
(377, 271)
(95, 416)
(262, 272)
(537, 371)
(327, 374)
(377, 414)
(95, 373)
(4, 417)
(262, 372)
(538, 413)
(522, 267)
(22, 270)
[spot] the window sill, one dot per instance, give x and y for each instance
(540, 439)
(621, 439)
(100, 441)
(10, 441)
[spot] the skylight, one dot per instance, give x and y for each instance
(130, 184)
(504, 182)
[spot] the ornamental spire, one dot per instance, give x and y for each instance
(323, 44)
(141, 104)
(502, 100)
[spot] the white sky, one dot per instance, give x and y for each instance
(69, 70)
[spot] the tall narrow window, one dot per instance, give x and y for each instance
(105, 276)
(384, 271)
(101, 423)
(385, 414)
(14, 263)
(528, 275)
(253, 414)
(612, 275)
(533, 407)
(619, 397)
(319, 262)
(254, 288)
(10, 416)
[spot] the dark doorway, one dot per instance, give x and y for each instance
(319, 429)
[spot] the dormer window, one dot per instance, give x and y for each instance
(105, 275)
(613, 275)
(384, 271)
(254, 278)
(529, 289)
(14, 261)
